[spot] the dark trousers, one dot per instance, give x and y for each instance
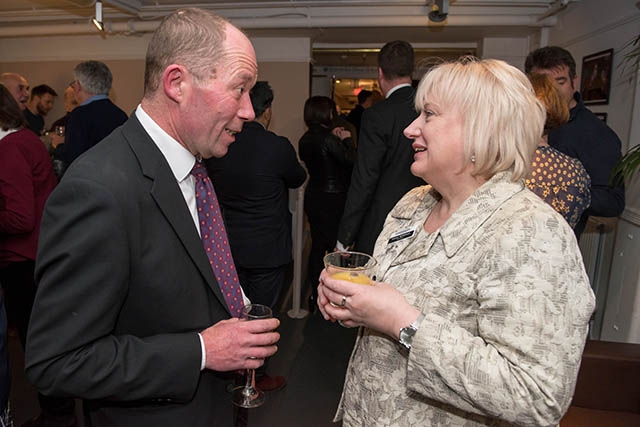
(265, 285)
(324, 211)
(20, 290)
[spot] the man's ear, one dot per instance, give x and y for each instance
(174, 79)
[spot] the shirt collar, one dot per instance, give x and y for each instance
(94, 98)
(4, 133)
(180, 160)
(395, 88)
(470, 215)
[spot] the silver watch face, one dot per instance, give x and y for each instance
(406, 336)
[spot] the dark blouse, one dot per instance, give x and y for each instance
(561, 181)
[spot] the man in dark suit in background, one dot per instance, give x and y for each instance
(364, 102)
(129, 314)
(381, 175)
(96, 116)
(584, 137)
(252, 183)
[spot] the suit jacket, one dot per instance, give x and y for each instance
(124, 285)
(252, 184)
(590, 140)
(381, 175)
(89, 124)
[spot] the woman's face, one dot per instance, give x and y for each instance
(438, 143)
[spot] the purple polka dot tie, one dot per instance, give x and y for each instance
(215, 240)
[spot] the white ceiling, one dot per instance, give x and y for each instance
(326, 22)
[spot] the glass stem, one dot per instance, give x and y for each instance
(249, 381)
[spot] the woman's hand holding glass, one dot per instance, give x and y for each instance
(380, 307)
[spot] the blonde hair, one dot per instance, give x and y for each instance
(547, 92)
(190, 37)
(503, 119)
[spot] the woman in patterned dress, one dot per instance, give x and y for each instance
(560, 180)
(481, 311)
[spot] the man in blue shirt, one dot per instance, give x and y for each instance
(96, 116)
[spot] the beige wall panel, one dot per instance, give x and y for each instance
(290, 83)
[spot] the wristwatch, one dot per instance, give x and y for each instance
(407, 333)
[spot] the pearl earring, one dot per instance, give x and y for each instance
(473, 158)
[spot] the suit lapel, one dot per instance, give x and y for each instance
(165, 191)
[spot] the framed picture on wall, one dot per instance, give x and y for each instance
(596, 77)
(601, 116)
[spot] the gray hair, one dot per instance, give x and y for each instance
(94, 77)
(190, 37)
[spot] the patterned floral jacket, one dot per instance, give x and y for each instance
(506, 302)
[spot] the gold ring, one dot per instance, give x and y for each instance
(344, 301)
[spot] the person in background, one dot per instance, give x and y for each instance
(381, 172)
(39, 105)
(252, 183)
(69, 104)
(135, 312)
(57, 131)
(584, 137)
(558, 179)
(340, 121)
(328, 154)
(364, 102)
(18, 87)
(26, 180)
(469, 323)
(376, 97)
(96, 116)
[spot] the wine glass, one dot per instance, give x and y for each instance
(248, 396)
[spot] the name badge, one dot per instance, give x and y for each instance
(401, 235)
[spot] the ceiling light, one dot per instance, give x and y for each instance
(439, 10)
(97, 20)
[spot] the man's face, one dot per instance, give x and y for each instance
(214, 110)
(45, 104)
(19, 88)
(69, 99)
(565, 84)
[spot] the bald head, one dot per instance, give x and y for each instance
(18, 87)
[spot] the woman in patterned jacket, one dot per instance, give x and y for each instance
(481, 310)
(558, 179)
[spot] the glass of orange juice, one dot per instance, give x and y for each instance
(356, 267)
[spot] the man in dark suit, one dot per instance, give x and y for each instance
(364, 102)
(381, 174)
(96, 116)
(129, 315)
(252, 183)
